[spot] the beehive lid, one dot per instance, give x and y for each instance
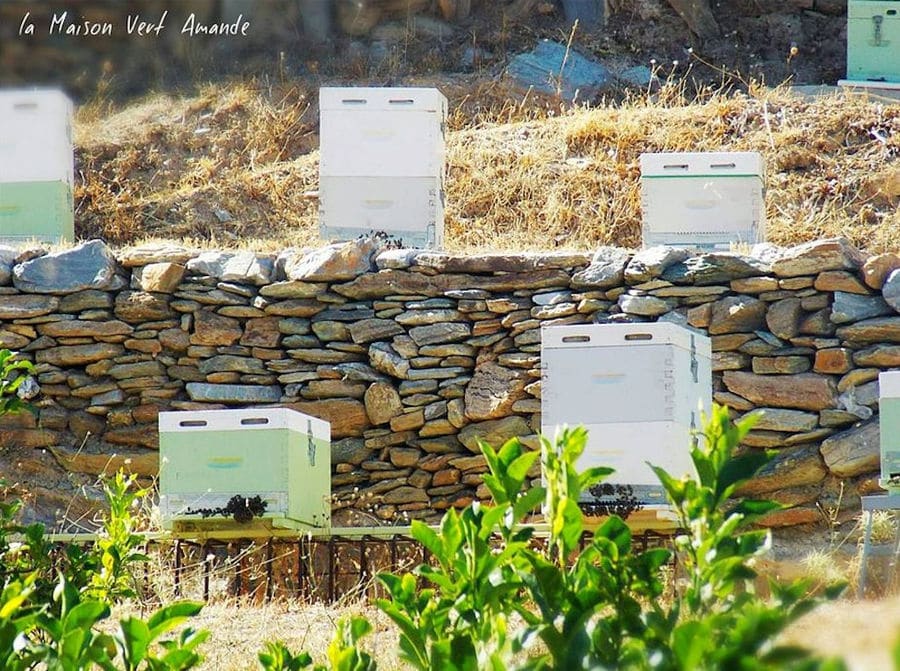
(633, 335)
(381, 99)
(702, 164)
(248, 419)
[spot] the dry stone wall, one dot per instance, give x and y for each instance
(413, 356)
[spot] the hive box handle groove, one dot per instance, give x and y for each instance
(255, 420)
(577, 338)
(192, 422)
(639, 336)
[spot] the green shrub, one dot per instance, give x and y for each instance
(600, 607)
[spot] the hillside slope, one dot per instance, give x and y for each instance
(238, 165)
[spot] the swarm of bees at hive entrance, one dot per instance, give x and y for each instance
(241, 508)
(385, 240)
(620, 500)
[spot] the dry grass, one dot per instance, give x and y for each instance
(238, 165)
(863, 633)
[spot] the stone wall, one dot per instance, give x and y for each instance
(414, 355)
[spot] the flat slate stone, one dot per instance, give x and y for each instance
(90, 265)
(500, 262)
(785, 365)
(648, 306)
(144, 255)
(879, 330)
(652, 262)
(243, 267)
(369, 330)
(791, 467)
(839, 280)
(159, 277)
(233, 393)
(73, 328)
(606, 270)
(849, 307)
(336, 262)
(804, 391)
(715, 268)
(853, 452)
(814, 257)
(26, 306)
(779, 419)
(89, 299)
(347, 416)
(215, 330)
(883, 356)
(737, 314)
(297, 307)
(228, 363)
(440, 333)
(139, 306)
(293, 289)
(398, 282)
(423, 317)
(78, 355)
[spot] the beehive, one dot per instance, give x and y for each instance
(889, 418)
(637, 388)
(280, 455)
(711, 200)
(382, 163)
(36, 166)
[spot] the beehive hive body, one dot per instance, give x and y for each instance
(638, 389)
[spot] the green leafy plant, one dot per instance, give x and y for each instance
(10, 381)
(119, 545)
(718, 621)
(600, 606)
(344, 653)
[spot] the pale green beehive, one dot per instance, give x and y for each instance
(207, 457)
(889, 418)
(873, 40)
(36, 166)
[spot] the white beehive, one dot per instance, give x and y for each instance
(207, 457)
(703, 200)
(889, 425)
(36, 166)
(637, 388)
(381, 165)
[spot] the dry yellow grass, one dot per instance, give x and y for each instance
(863, 633)
(238, 165)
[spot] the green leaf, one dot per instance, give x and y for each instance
(740, 469)
(134, 639)
(592, 476)
(84, 615)
(690, 643)
(171, 616)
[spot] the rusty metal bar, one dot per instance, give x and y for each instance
(178, 569)
(270, 558)
(331, 580)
